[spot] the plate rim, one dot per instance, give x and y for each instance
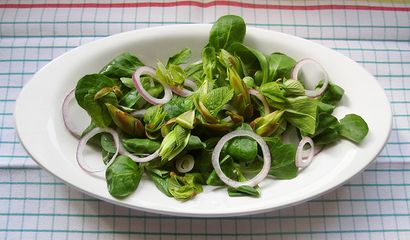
(18, 129)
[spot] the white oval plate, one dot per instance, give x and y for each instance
(40, 126)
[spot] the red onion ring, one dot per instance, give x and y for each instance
(302, 161)
(183, 92)
(258, 95)
(185, 163)
(298, 67)
(266, 159)
(83, 142)
(144, 94)
(66, 116)
(138, 113)
(134, 158)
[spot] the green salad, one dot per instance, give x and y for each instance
(231, 118)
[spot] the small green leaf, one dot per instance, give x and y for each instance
(180, 58)
(354, 128)
(283, 159)
(140, 145)
(216, 99)
(244, 190)
(267, 124)
(160, 181)
(123, 177)
(332, 95)
(280, 66)
(185, 187)
(227, 30)
(85, 92)
(126, 122)
(301, 113)
(123, 65)
(186, 119)
(173, 143)
(242, 149)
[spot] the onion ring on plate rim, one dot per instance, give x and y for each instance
(266, 159)
(144, 94)
(302, 161)
(83, 142)
(295, 74)
(66, 116)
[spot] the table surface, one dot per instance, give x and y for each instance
(373, 205)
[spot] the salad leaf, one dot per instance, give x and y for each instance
(178, 105)
(216, 99)
(85, 92)
(253, 62)
(268, 124)
(242, 149)
(185, 187)
(173, 143)
(159, 178)
(280, 66)
(332, 95)
(140, 145)
(154, 117)
(244, 191)
(123, 177)
(194, 143)
(227, 166)
(186, 119)
(181, 57)
(301, 113)
(293, 87)
(209, 62)
(126, 122)
(225, 31)
(283, 159)
(123, 65)
(353, 127)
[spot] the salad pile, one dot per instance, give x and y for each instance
(231, 118)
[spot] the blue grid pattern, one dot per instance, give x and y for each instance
(372, 205)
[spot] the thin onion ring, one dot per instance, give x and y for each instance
(259, 96)
(144, 94)
(138, 113)
(66, 116)
(295, 72)
(183, 92)
(83, 142)
(181, 163)
(300, 160)
(266, 159)
(134, 158)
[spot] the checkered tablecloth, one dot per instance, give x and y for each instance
(372, 205)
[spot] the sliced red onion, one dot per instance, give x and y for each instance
(316, 151)
(66, 115)
(295, 75)
(183, 92)
(302, 161)
(191, 84)
(138, 113)
(83, 143)
(258, 95)
(144, 94)
(265, 152)
(185, 163)
(134, 158)
(227, 119)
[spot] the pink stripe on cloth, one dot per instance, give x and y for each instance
(206, 5)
